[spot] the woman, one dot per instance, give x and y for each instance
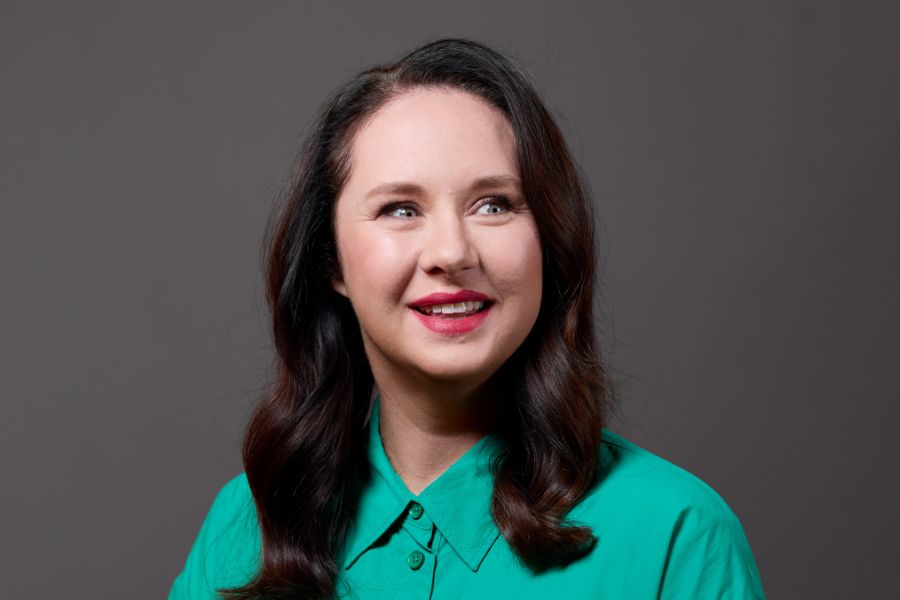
(437, 423)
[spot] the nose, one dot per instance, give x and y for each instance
(447, 245)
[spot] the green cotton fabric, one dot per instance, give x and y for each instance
(660, 533)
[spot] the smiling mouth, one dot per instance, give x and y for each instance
(471, 308)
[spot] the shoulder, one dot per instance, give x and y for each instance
(232, 516)
(671, 520)
(234, 495)
(636, 475)
(225, 552)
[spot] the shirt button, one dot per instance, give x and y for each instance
(415, 560)
(416, 510)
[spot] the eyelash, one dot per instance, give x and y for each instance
(503, 201)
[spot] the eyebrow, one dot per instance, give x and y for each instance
(482, 183)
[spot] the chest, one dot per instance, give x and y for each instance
(414, 560)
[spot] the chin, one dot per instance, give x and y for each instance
(451, 372)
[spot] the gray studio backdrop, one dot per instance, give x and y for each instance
(744, 159)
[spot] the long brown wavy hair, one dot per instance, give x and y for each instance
(305, 446)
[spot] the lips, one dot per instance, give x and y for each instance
(453, 326)
(450, 325)
(450, 298)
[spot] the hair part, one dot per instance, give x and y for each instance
(304, 450)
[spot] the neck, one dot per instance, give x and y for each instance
(425, 433)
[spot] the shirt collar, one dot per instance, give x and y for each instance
(458, 502)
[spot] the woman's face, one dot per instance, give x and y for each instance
(433, 204)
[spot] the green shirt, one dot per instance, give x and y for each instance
(661, 533)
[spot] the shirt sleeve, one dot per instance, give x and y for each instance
(225, 551)
(709, 556)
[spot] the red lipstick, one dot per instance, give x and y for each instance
(450, 297)
(452, 325)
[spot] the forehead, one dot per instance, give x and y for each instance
(437, 136)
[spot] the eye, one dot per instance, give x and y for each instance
(494, 201)
(393, 207)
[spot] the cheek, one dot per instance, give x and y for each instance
(373, 265)
(515, 262)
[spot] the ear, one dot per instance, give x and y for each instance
(336, 275)
(337, 283)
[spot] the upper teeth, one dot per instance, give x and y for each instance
(458, 307)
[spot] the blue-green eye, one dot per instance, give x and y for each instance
(397, 206)
(501, 201)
